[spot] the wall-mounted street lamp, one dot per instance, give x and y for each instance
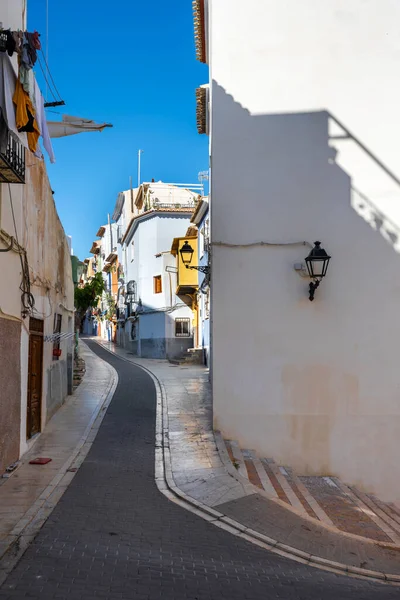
(186, 253)
(317, 264)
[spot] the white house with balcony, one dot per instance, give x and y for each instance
(152, 321)
(304, 134)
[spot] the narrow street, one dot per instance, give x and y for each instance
(113, 535)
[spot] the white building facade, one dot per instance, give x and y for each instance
(152, 321)
(37, 298)
(303, 137)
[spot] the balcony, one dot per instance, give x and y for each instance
(12, 161)
(187, 279)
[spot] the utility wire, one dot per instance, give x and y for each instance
(253, 244)
(50, 75)
(53, 92)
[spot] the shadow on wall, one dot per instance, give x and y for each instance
(371, 179)
(310, 384)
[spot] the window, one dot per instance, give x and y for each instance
(57, 331)
(132, 251)
(157, 284)
(182, 327)
(201, 240)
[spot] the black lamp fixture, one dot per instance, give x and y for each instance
(186, 253)
(317, 265)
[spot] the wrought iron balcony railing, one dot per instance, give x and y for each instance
(12, 161)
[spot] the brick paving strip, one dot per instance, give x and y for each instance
(203, 480)
(113, 535)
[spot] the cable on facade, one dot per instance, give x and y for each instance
(43, 315)
(50, 75)
(67, 309)
(10, 247)
(27, 299)
(253, 244)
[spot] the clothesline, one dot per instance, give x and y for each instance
(21, 113)
(21, 102)
(27, 116)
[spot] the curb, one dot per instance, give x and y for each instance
(166, 484)
(25, 531)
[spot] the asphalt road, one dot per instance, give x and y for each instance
(114, 536)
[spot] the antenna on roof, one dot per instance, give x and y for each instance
(203, 176)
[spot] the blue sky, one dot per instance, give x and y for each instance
(133, 66)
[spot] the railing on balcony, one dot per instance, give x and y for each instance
(12, 161)
(164, 205)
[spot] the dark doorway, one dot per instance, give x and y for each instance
(35, 375)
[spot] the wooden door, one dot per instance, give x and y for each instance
(35, 375)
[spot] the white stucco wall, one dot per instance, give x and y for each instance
(41, 233)
(13, 14)
(315, 385)
(38, 230)
(152, 237)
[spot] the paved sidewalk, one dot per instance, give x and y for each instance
(31, 492)
(199, 471)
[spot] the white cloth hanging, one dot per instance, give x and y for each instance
(8, 80)
(73, 125)
(42, 124)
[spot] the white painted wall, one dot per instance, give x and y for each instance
(315, 385)
(152, 237)
(13, 14)
(39, 230)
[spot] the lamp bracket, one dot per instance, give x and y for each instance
(312, 287)
(203, 269)
(301, 270)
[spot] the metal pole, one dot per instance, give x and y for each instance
(131, 189)
(139, 153)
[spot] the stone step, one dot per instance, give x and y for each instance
(193, 356)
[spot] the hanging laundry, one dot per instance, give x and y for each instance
(73, 125)
(42, 124)
(8, 80)
(26, 57)
(18, 37)
(34, 40)
(25, 116)
(27, 78)
(7, 42)
(33, 44)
